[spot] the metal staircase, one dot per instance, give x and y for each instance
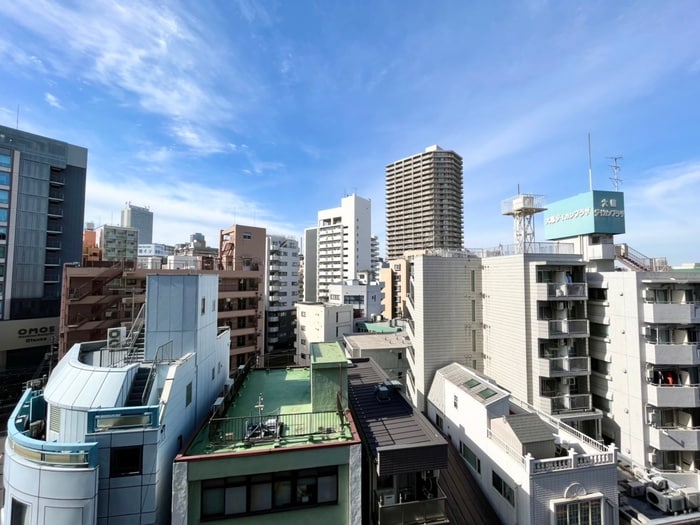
(638, 262)
(139, 387)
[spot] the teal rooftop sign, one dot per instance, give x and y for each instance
(585, 214)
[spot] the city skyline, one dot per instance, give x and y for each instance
(262, 114)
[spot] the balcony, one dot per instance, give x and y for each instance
(418, 511)
(553, 291)
(678, 395)
(564, 366)
(671, 313)
(23, 438)
(673, 354)
(552, 329)
(558, 404)
(55, 194)
(675, 438)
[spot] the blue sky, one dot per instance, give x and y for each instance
(262, 113)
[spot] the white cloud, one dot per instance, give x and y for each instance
(52, 101)
(151, 52)
(179, 208)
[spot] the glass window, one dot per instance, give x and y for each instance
(3, 214)
(19, 513)
(125, 461)
(4, 178)
(328, 488)
(4, 196)
(3, 233)
(212, 498)
(188, 395)
(260, 494)
(2, 251)
(5, 160)
(503, 488)
(236, 499)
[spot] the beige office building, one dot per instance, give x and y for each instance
(424, 202)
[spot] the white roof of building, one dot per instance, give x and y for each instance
(479, 387)
(76, 385)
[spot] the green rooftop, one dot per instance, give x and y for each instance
(272, 409)
(327, 354)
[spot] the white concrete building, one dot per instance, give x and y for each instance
(281, 291)
(533, 468)
(388, 350)
(444, 325)
(342, 246)
(320, 323)
(365, 298)
(536, 332)
(117, 242)
(96, 445)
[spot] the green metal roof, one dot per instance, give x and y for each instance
(327, 354)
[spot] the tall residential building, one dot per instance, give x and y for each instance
(444, 324)
(424, 199)
(394, 275)
(42, 200)
(536, 332)
(281, 293)
(141, 219)
(342, 247)
(242, 249)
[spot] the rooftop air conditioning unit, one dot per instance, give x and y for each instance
(669, 502)
(115, 337)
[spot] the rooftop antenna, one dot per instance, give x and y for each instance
(590, 165)
(616, 180)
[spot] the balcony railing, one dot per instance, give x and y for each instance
(417, 511)
(681, 313)
(559, 366)
(676, 395)
(675, 438)
(673, 353)
(565, 327)
(23, 439)
(566, 290)
(565, 403)
(269, 427)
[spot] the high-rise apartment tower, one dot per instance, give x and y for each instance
(141, 219)
(424, 203)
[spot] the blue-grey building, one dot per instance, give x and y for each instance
(42, 201)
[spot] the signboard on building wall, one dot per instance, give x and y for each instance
(28, 333)
(585, 214)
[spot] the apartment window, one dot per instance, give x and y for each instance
(5, 160)
(469, 456)
(473, 279)
(188, 394)
(579, 512)
(247, 235)
(303, 341)
(455, 401)
(303, 313)
(269, 492)
(2, 251)
(204, 305)
(397, 267)
(4, 178)
(439, 421)
(19, 513)
(503, 488)
(125, 461)
(4, 196)
(3, 233)
(473, 310)
(599, 330)
(3, 214)
(400, 355)
(474, 342)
